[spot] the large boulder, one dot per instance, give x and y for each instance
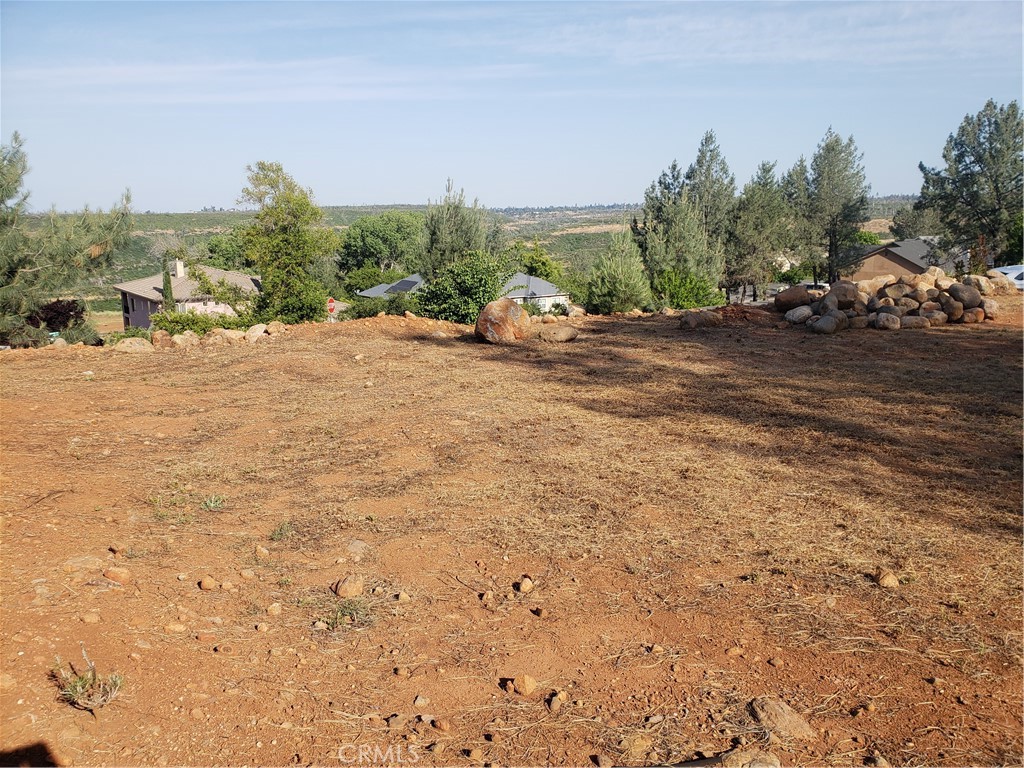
(914, 321)
(791, 298)
(1001, 284)
(875, 284)
(953, 308)
(133, 344)
(845, 293)
(891, 310)
(275, 327)
(935, 317)
(896, 291)
(886, 322)
(255, 333)
(832, 321)
(799, 315)
(828, 302)
(700, 318)
(185, 340)
(944, 283)
(161, 339)
(967, 295)
(502, 322)
(991, 307)
(982, 283)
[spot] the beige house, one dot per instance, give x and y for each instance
(141, 298)
(902, 257)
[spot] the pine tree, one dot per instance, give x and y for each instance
(42, 259)
(711, 187)
(838, 199)
(617, 280)
(760, 230)
(978, 194)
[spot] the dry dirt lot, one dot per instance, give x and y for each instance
(700, 515)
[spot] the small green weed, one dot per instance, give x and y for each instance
(86, 690)
(213, 503)
(283, 531)
(350, 612)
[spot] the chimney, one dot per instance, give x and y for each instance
(179, 268)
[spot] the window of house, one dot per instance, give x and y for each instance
(133, 303)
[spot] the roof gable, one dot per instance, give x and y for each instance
(185, 288)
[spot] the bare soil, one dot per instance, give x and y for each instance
(701, 515)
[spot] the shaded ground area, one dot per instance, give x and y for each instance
(700, 513)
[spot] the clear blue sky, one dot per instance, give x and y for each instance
(519, 103)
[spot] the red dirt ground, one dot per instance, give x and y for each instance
(701, 514)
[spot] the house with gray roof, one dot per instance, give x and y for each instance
(409, 284)
(523, 288)
(902, 257)
(141, 298)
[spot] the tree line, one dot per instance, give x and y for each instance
(695, 236)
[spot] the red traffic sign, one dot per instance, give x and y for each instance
(330, 305)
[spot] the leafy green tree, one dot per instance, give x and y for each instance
(863, 237)
(536, 261)
(284, 240)
(226, 251)
(389, 240)
(760, 231)
(39, 262)
(679, 291)
(461, 289)
(979, 192)
(914, 221)
(838, 199)
(617, 281)
(711, 187)
(453, 229)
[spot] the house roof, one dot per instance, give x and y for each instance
(916, 251)
(523, 286)
(409, 284)
(185, 288)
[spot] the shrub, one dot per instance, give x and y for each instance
(81, 331)
(618, 281)
(128, 333)
(179, 322)
(559, 309)
(398, 304)
(532, 308)
(463, 288)
(672, 289)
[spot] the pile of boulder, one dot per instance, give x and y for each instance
(890, 303)
(505, 322)
(217, 337)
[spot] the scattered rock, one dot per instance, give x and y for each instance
(120, 575)
(350, 586)
(556, 334)
(502, 322)
(262, 552)
(749, 758)
(525, 585)
(274, 609)
(208, 584)
(175, 629)
(275, 327)
(779, 718)
(700, 318)
(92, 617)
(133, 344)
(420, 702)
(524, 685)
(403, 597)
(255, 333)
(886, 579)
(441, 724)
(161, 339)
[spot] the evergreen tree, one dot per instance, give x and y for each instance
(40, 262)
(617, 281)
(916, 221)
(454, 229)
(671, 235)
(711, 187)
(838, 199)
(760, 230)
(803, 240)
(284, 241)
(978, 195)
